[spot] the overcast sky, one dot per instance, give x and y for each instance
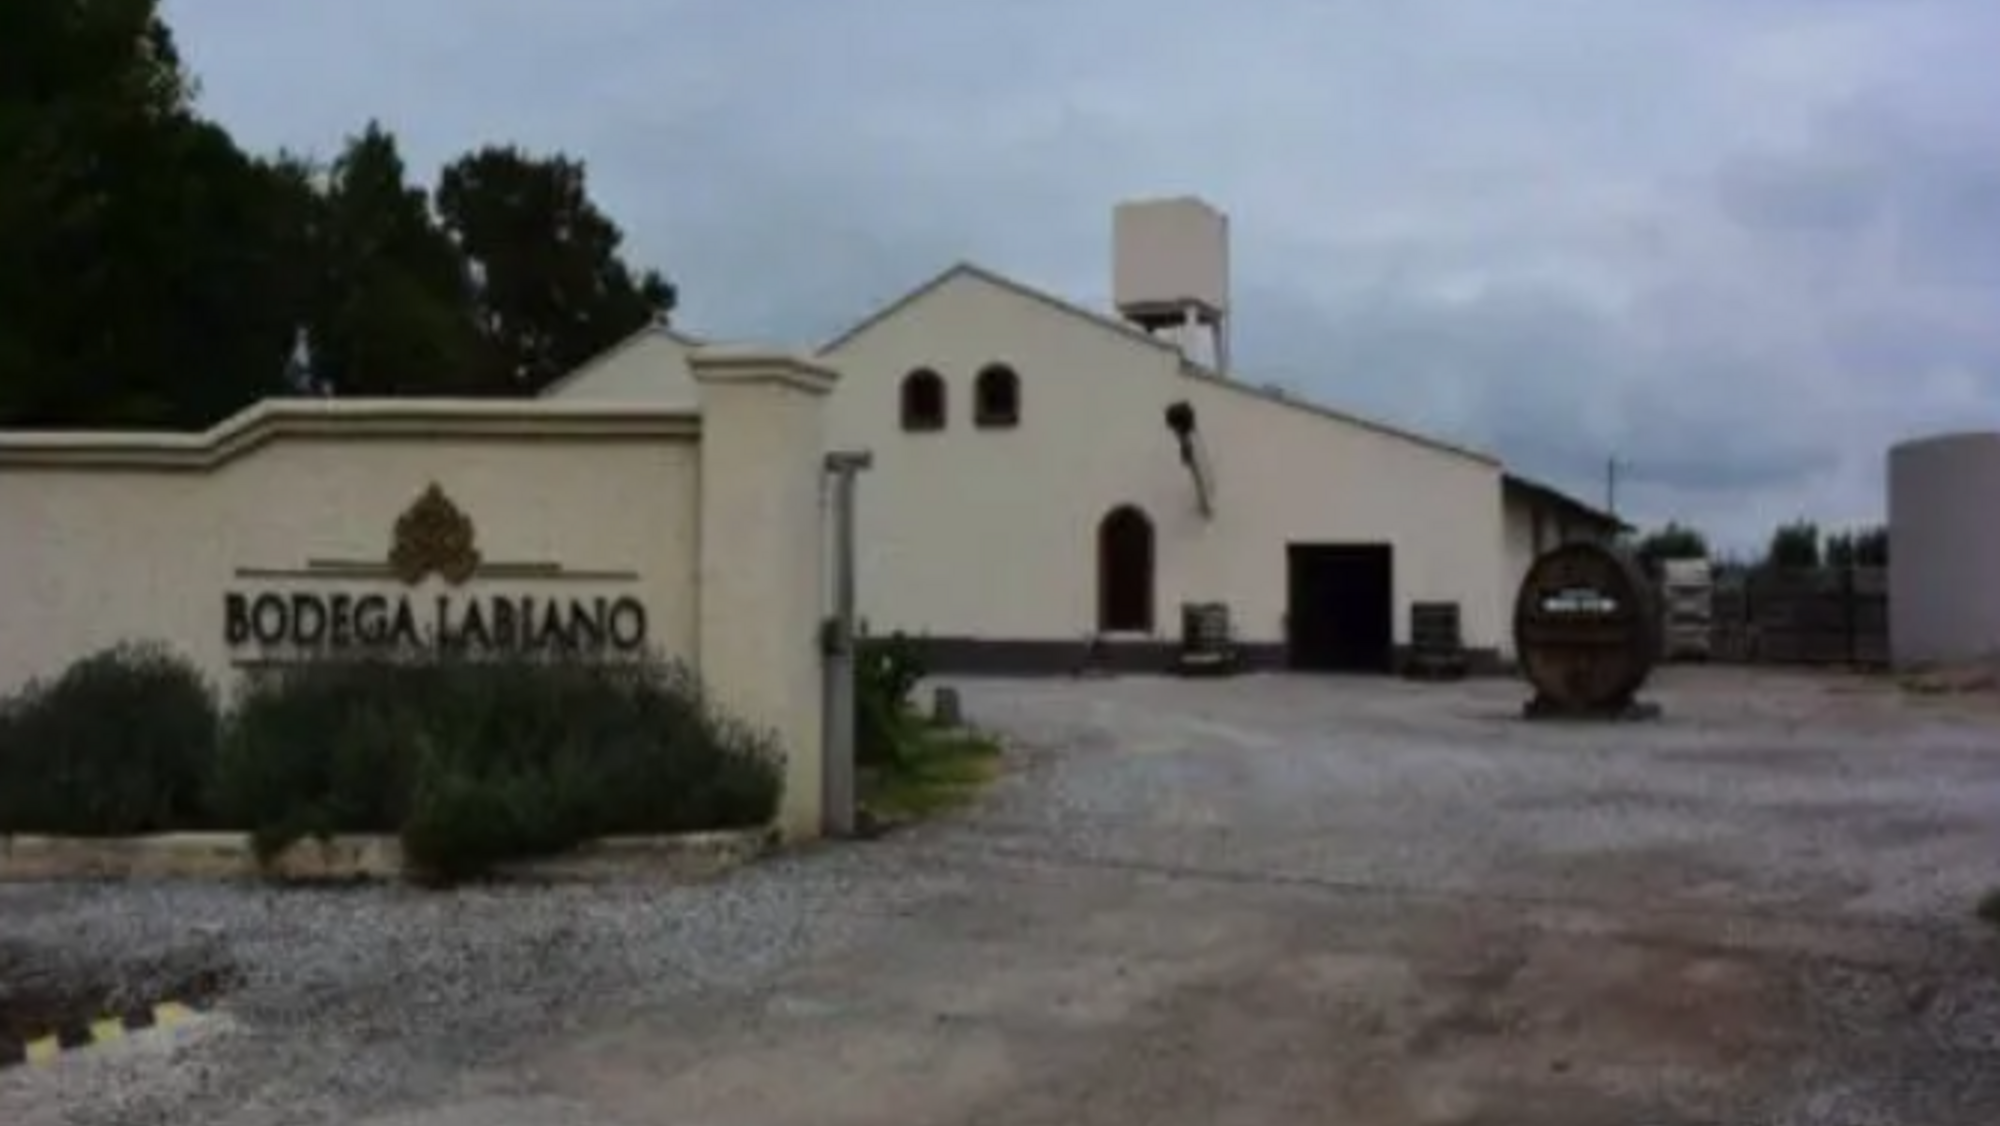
(1740, 245)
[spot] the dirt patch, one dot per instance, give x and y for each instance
(1586, 1026)
(1465, 1017)
(48, 993)
(1954, 679)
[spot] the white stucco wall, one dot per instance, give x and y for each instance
(651, 367)
(992, 533)
(95, 556)
(710, 520)
(1521, 545)
(1289, 475)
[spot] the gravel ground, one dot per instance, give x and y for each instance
(365, 999)
(1262, 900)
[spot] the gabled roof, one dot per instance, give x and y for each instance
(1549, 494)
(1139, 336)
(650, 332)
(973, 270)
(1282, 398)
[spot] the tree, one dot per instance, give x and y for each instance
(1871, 546)
(552, 290)
(156, 275)
(1674, 540)
(90, 59)
(144, 281)
(1794, 546)
(392, 310)
(1858, 547)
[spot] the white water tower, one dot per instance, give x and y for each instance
(1170, 274)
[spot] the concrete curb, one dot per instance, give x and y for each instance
(228, 856)
(46, 1049)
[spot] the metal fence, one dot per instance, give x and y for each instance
(1818, 616)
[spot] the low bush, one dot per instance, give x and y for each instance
(475, 762)
(887, 672)
(943, 769)
(911, 767)
(316, 749)
(891, 667)
(120, 743)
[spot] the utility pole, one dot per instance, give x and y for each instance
(1611, 485)
(838, 792)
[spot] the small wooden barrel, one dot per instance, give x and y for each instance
(1586, 630)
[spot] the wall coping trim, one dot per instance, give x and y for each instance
(749, 364)
(263, 422)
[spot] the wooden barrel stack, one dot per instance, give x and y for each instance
(1586, 633)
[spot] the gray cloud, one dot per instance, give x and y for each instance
(1739, 246)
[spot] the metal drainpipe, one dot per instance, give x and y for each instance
(838, 774)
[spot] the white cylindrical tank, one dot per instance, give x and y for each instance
(1944, 548)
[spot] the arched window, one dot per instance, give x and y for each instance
(923, 400)
(996, 398)
(1125, 572)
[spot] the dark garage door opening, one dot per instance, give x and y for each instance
(1340, 606)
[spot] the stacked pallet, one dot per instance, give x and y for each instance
(1687, 597)
(1437, 648)
(1208, 642)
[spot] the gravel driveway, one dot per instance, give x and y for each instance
(1266, 900)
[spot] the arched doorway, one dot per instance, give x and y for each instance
(1125, 572)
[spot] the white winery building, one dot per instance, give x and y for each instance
(1049, 479)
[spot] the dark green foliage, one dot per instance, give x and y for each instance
(1860, 547)
(147, 279)
(1672, 541)
(465, 821)
(120, 743)
(553, 290)
(1871, 547)
(882, 732)
(477, 761)
(473, 762)
(891, 667)
(1794, 546)
(391, 310)
(887, 672)
(320, 749)
(158, 275)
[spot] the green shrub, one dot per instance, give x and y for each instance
(887, 672)
(464, 822)
(479, 761)
(120, 743)
(316, 749)
(892, 667)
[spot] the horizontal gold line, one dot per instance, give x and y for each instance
(359, 571)
(561, 575)
(309, 573)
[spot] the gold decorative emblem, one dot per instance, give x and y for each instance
(434, 537)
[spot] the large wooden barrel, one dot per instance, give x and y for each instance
(1585, 629)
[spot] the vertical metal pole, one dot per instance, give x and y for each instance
(838, 774)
